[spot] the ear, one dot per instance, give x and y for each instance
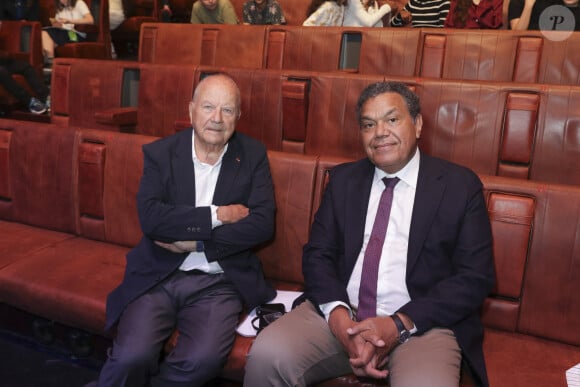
(418, 125)
(191, 108)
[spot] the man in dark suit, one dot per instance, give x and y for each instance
(204, 201)
(434, 267)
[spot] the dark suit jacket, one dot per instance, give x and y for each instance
(450, 260)
(167, 212)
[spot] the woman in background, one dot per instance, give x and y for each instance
(422, 13)
(325, 13)
(366, 13)
(68, 14)
(486, 14)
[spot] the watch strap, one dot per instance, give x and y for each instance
(403, 332)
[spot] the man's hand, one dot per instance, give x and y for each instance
(380, 336)
(368, 361)
(232, 213)
(339, 323)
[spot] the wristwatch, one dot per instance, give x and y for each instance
(404, 334)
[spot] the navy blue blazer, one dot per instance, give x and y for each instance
(167, 212)
(449, 262)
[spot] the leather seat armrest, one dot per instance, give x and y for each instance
(123, 116)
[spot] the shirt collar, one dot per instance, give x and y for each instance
(197, 160)
(408, 174)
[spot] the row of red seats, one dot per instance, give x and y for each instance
(486, 55)
(67, 219)
(525, 130)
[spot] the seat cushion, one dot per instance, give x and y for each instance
(518, 360)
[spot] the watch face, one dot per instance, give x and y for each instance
(404, 336)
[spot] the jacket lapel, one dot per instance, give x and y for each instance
(430, 189)
(183, 170)
(358, 191)
(229, 170)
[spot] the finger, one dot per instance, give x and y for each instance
(366, 334)
(373, 338)
(358, 371)
(376, 373)
(383, 362)
(364, 356)
(357, 328)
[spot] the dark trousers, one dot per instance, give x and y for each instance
(8, 67)
(204, 308)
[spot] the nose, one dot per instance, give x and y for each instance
(382, 129)
(217, 115)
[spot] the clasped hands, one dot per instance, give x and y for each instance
(368, 343)
(225, 214)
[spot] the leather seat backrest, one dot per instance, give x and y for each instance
(556, 155)
(560, 61)
(109, 166)
(467, 54)
(81, 88)
(389, 51)
(294, 177)
(539, 229)
(164, 95)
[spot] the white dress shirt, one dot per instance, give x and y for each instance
(206, 176)
(392, 292)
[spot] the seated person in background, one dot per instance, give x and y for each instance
(397, 266)
(422, 13)
(485, 14)
(263, 12)
(68, 14)
(166, 11)
(527, 15)
(10, 66)
(325, 13)
(19, 10)
(116, 14)
(366, 13)
(116, 17)
(213, 12)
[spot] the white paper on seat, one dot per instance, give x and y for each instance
(285, 297)
(573, 376)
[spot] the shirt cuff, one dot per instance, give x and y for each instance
(215, 222)
(330, 306)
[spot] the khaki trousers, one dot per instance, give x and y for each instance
(299, 350)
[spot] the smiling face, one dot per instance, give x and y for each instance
(388, 132)
(214, 112)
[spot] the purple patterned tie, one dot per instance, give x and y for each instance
(367, 296)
